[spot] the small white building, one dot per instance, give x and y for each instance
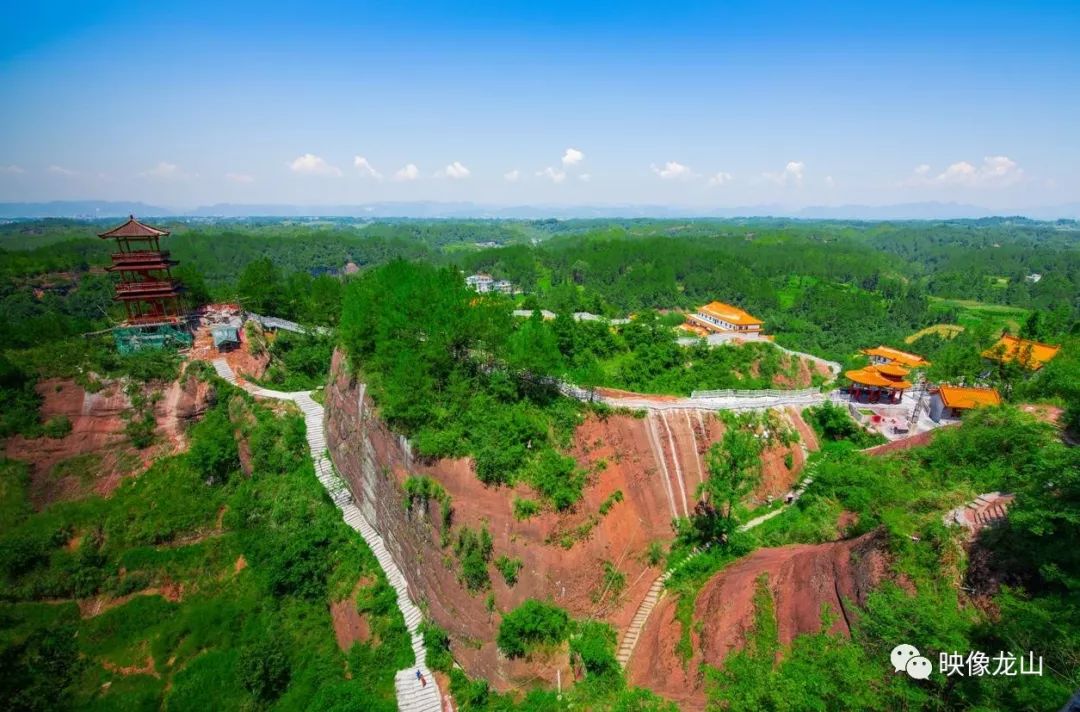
(485, 283)
(480, 282)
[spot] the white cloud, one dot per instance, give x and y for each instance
(512, 176)
(584, 177)
(365, 168)
(552, 174)
(721, 178)
(61, 171)
(312, 165)
(407, 172)
(791, 175)
(166, 171)
(829, 182)
(12, 169)
(572, 157)
(673, 170)
(995, 172)
(240, 177)
(455, 170)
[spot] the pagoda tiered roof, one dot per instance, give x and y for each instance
(133, 229)
(879, 377)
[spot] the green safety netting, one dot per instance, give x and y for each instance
(130, 339)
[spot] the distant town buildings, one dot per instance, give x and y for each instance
(1032, 355)
(718, 317)
(484, 283)
(953, 401)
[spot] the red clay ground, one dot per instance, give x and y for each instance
(244, 360)
(96, 455)
(801, 578)
(652, 461)
(349, 626)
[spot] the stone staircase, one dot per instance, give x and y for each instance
(637, 624)
(983, 511)
(412, 696)
(221, 366)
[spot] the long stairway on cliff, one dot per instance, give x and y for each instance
(412, 695)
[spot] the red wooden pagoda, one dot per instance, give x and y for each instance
(149, 293)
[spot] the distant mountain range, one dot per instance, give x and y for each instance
(904, 211)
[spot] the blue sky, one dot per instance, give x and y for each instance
(690, 104)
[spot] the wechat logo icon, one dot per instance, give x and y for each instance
(907, 658)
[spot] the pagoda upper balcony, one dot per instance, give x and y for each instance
(140, 261)
(139, 255)
(147, 289)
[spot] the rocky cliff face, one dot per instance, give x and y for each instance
(801, 579)
(97, 452)
(656, 462)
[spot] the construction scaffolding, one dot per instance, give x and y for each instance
(130, 339)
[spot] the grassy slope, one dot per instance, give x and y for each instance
(168, 531)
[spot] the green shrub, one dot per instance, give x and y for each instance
(833, 423)
(437, 645)
(509, 568)
(654, 554)
(298, 561)
(213, 452)
(610, 501)
(140, 430)
(57, 427)
(474, 550)
(530, 625)
(525, 508)
(557, 478)
(594, 644)
(264, 669)
(420, 489)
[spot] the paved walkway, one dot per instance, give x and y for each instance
(735, 403)
(411, 695)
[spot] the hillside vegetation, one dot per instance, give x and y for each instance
(195, 586)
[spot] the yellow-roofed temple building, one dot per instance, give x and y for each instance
(721, 318)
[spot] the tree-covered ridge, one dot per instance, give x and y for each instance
(449, 369)
(830, 287)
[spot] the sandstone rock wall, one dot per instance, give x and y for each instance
(656, 463)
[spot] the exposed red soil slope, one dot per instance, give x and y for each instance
(804, 372)
(349, 626)
(918, 440)
(1046, 413)
(801, 579)
(247, 359)
(97, 428)
(655, 462)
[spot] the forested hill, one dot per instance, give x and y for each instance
(828, 287)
